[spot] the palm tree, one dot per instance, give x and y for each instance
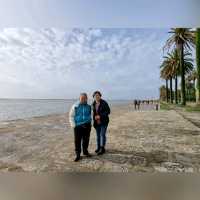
(171, 68)
(162, 90)
(190, 83)
(181, 38)
(164, 75)
(167, 73)
(192, 76)
(173, 61)
(176, 63)
(198, 64)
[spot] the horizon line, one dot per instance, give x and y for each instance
(69, 99)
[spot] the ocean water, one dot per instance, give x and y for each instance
(12, 109)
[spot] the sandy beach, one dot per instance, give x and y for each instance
(138, 141)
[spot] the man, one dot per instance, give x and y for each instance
(80, 120)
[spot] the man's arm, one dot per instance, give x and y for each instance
(71, 116)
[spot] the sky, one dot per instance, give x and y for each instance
(61, 63)
(57, 49)
(99, 13)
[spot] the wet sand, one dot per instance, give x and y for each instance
(137, 141)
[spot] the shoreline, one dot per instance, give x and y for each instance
(31, 118)
(52, 114)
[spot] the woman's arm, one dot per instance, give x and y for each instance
(106, 110)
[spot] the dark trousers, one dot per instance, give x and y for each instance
(82, 138)
(135, 106)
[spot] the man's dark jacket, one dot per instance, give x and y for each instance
(103, 111)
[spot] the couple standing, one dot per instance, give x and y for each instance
(80, 119)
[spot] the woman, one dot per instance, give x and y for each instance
(101, 113)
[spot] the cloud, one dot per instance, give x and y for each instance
(56, 63)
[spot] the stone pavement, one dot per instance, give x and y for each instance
(138, 141)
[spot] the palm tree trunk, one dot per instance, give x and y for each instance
(171, 91)
(176, 89)
(188, 94)
(167, 94)
(198, 64)
(181, 51)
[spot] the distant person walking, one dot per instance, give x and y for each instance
(138, 104)
(80, 120)
(101, 111)
(135, 104)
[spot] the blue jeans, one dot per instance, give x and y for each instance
(101, 135)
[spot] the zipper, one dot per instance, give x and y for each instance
(83, 112)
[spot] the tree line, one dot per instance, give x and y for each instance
(178, 63)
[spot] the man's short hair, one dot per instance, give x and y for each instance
(83, 94)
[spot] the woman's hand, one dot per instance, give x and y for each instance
(97, 117)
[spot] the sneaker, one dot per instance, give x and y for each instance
(97, 150)
(78, 157)
(102, 151)
(87, 154)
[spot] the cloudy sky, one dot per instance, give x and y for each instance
(61, 63)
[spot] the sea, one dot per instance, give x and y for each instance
(13, 109)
